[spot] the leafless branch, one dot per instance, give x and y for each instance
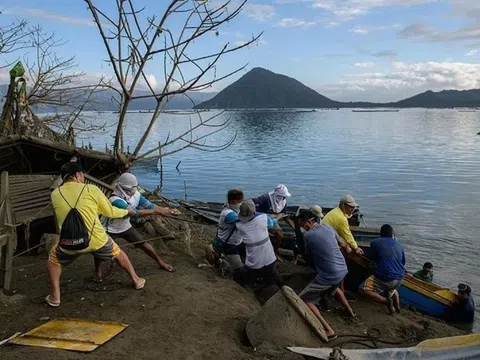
(138, 41)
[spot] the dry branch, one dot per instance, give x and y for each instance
(137, 43)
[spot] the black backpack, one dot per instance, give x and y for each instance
(74, 234)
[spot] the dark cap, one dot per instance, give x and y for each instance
(70, 169)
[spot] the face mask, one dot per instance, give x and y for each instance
(234, 207)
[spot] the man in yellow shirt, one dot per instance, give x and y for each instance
(338, 220)
(90, 203)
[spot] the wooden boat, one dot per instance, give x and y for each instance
(449, 348)
(427, 298)
(211, 211)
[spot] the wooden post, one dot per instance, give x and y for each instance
(161, 165)
(3, 228)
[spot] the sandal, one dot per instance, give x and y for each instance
(50, 302)
(332, 337)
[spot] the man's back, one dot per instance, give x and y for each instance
(91, 203)
(258, 248)
(390, 259)
(322, 248)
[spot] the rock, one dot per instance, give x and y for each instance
(297, 325)
(159, 227)
(149, 229)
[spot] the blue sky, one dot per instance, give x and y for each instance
(375, 50)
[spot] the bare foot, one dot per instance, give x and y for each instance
(330, 333)
(279, 258)
(166, 266)
(97, 277)
(140, 284)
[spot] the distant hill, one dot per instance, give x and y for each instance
(104, 101)
(261, 88)
(442, 99)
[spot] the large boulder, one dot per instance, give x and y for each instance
(285, 320)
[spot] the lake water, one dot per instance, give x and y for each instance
(417, 169)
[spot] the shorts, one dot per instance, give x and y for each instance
(131, 236)
(58, 256)
(267, 275)
(314, 292)
(386, 289)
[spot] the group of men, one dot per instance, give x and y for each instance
(244, 227)
(77, 207)
(242, 240)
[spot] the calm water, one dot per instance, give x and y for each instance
(416, 169)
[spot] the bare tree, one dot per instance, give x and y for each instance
(13, 38)
(50, 83)
(169, 43)
(57, 86)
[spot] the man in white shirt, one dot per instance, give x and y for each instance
(260, 257)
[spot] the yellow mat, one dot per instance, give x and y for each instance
(71, 334)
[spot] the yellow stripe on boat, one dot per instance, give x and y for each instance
(450, 343)
(431, 291)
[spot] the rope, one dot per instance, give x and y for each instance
(374, 336)
(120, 246)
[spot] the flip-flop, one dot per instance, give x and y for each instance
(332, 337)
(51, 303)
(141, 286)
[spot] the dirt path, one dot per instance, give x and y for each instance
(189, 314)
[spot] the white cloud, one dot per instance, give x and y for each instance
(422, 32)
(472, 52)
(344, 10)
(360, 30)
(42, 14)
(406, 79)
(259, 12)
(366, 64)
(292, 22)
(366, 29)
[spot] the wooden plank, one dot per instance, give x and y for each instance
(9, 250)
(20, 200)
(21, 216)
(19, 179)
(14, 195)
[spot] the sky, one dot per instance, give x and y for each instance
(348, 50)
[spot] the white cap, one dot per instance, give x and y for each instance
(127, 181)
(349, 200)
(281, 190)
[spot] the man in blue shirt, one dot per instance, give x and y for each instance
(389, 256)
(463, 311)
(322, 248)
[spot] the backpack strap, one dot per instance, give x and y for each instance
(78, 199)
(231, 234)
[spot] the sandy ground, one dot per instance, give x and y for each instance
(192, 313)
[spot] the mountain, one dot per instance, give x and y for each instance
(105, 101)
(261, 88)
(443, 99)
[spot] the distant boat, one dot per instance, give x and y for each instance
(379, 110)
